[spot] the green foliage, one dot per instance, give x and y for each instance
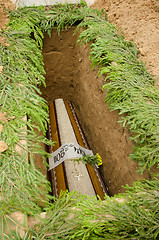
(23, 187)
(133, 215)
(92, 160)
(130, 89)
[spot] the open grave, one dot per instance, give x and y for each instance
(69, 76)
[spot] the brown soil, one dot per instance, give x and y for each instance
(4, 4)
(139, 20)
(68, 76)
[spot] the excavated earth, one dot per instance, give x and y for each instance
(69, 76)
(139, 22)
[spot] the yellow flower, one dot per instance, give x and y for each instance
(99, 159)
